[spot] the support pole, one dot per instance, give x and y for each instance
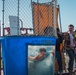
(2, 27)
(32, 14)
(18, 27)
(38, 17)
(54, 3)
(60, 19)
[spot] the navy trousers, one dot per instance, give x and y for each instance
(71, 61)
(59, 60)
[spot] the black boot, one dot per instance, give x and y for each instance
(70, 72)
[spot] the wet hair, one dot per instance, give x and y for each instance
(42, 50)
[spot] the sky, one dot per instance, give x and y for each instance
(67, 12)
(0, 9)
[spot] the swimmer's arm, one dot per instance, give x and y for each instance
(31, 57)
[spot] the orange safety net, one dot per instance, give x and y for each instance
(43, 17)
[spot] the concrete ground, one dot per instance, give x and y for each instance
(1, 72)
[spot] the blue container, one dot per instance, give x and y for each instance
(15, 51)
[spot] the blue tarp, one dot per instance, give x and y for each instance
(15, 52)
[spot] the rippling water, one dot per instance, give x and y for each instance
(43, 67)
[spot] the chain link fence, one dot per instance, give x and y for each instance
(34, 16)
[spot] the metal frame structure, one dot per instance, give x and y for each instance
(54, 16)
(54, 6)
(54, 3)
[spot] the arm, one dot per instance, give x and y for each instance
(31, 58)
(59, 34)
(38, 57)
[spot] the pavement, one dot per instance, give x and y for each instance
(1, 72)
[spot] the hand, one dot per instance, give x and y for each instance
(53, 53)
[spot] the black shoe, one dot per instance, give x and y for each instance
(60, 72)
(70, 72)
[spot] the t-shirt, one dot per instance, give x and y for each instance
(71, 39)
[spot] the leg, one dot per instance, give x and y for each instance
(71, 61)
(75, 58)
(75, 62)
(59, 60)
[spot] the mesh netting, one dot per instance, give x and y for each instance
(35, 17)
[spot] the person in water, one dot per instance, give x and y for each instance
(42, 63)
(41, 55)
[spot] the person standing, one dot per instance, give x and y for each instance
(70, 49)
(74, 40)
(58, 52)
